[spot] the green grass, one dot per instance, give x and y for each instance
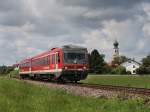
(13, 73)
(17, 96)
(119, 80)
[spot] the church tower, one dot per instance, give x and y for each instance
(116, 49)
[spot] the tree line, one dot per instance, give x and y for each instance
(145, 67)
(98, 65)
(5, 69)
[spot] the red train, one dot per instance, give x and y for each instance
(67, 63)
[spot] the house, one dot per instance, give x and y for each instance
(131, 66)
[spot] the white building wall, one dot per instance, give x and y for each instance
(131, 66)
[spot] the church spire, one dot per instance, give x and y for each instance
(116, 49)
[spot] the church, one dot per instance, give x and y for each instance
(131, 65)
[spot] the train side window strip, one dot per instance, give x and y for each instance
(53, 59)
(42, 61)
(27, 64)
(58, 57)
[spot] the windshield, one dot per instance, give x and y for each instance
(75, 57)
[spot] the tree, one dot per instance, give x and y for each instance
(123, 59)
(97, 61)
(119, 60)
(107, 69)
(145, 67)
(5, 69)
(143, 70)
(89, 61)
(146, 61)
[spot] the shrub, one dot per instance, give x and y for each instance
(119, 70)
(143, 70)
(14, 73)
(107, 69)
(4, 70)
(128, 72)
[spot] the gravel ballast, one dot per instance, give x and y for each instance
(83, 91)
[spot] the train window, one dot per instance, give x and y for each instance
(48, 59)
(36, 62)
(58, 57)
(53, 59)
(20, 65)
(41, 62)
(44, 61)
(25, 64)
(28, 64)
(33, 62)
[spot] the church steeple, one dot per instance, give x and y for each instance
(116, 49)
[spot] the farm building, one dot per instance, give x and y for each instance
(131, 66)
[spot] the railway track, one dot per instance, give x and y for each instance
(127, 90)
(131, 90)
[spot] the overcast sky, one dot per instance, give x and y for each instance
(28, 27)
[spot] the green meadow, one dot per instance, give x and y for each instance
(119, 80)
(18, 96)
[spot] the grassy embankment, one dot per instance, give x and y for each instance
(120, 80)
(17, 96)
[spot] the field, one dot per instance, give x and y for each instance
(119, 80)
(17, 96)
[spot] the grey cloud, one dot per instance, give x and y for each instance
(101, 10)
(10, 5)
(14, 13)
(102, 3)
(29, 27)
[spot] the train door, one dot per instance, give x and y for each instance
(30, 66)
(53, 62)
(56, 62)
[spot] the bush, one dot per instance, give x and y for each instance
(128, 72)
(119, 70)
(143, 70)
(107, 69)
(5, 69)
(14, 73)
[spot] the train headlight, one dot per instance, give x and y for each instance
(66, 68)
(84, 67)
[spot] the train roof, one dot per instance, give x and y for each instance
(41, 54)
(72, 47)
(24, 61)
(46, 53)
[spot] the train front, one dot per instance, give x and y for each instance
(75, 63)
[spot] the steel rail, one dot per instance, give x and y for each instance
(133, 90)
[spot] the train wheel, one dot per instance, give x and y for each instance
(32, 77)
(61, 80)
